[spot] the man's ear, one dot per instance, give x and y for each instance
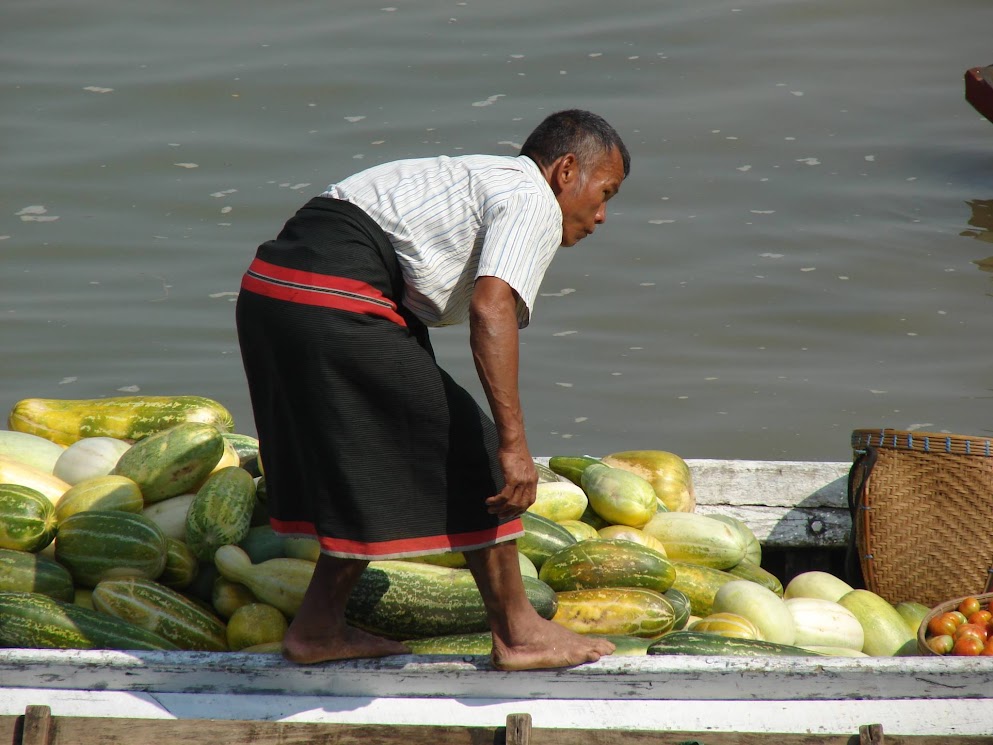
(565, 171)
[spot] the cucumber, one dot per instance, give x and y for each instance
(253, 624)
(747, 569)
(700, 584)
(21, 571)
(696, 538)
(173, 461)
(162, 611)
(221, 512)
(27, 518)
(100, 493)
(761, 606)
(475, 643)
(627, 611)
(181, 566)
(815, 584)
(546, 474)
(88, 458)
(580, 531)
(668, 474)
(699, 643)
(559, 500)
(263, 543)
(627, 533)
(170, 515)
(753, 549)
(619, 496)
(65, 421)
(607, 563)
(31, 620)
(542, 538)
(886, 633)
(30, 450)
(247, 448)
(680, 606)
(14, 472)
(99, 545)
(824, 623)
(727, 624)
(401, 600)
(571, 466)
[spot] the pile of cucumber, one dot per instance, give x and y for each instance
(139, 522)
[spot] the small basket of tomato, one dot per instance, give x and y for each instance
(962, 627)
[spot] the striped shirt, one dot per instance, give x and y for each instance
(453, 219)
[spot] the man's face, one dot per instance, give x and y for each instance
(584, 200)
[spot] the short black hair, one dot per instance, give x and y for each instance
(582, 133)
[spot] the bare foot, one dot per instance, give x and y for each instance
(545, 644)
(351, 643)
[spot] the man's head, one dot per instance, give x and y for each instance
(584, 161)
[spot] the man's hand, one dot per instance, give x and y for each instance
(493, 336)
(521, 485)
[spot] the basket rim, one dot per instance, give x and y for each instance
(922, 441)
(984, 601)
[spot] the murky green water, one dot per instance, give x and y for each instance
(803, 247)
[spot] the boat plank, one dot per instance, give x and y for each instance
(61, 730)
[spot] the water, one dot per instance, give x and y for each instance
(803, 246)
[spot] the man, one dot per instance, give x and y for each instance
(368, 444)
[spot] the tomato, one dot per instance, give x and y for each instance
(988, 649)
(941, 644)
(943, 623)
(969, 605)
(959, 615)
(980, 617)
(968, 646)
(970, 629)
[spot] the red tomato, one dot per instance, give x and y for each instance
(941, 644)
(959, 615)
(980, 617)
(968, 606)
(943, 623)
(988, 649)
(968, 646)
(970, 629)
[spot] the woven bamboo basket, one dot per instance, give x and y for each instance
(984, 602)
(921, 505)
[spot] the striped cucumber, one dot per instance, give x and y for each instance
(100, 493)
(607, 563)
(64, 421)
(31, 620)
(247, 448)
(726, 624)
(402, 600)
(173, 461)
(21, 571)
(221, 512)
(700, 584)
(98, 545)
(696, 538)
(559, 500)
(27, 518)
(627, 611)
(668, 474)
(162, 611)
(542, 538)
(746, 569)
(181, 566)
(701, 643)
(680, 606)
(753, 549)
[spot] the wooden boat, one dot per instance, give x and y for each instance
(979, 89)
(797, 509)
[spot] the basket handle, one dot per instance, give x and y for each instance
(858, 476)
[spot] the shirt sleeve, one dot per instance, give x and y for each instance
(523, 232)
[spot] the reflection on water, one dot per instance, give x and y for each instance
(982, 220)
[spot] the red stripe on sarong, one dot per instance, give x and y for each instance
(403, 546)
(324, 290)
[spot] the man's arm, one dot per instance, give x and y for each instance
(493, 336)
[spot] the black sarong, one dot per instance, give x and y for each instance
(367, 444)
